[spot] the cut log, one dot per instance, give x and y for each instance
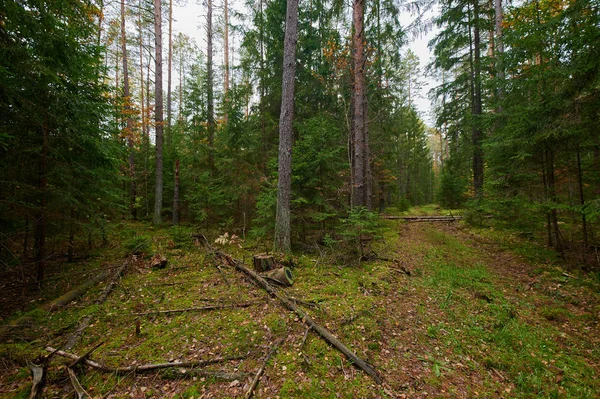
(322, 331)
(263, 262)
(143, 367)
(283, 276)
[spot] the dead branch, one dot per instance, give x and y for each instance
(81, 393)
(144, 367)
(261, 370)
(216, 374)
(86, 354)
(197, 309)
(81, 289)
(86, 321)
(322, 331)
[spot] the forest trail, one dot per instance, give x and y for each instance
(473, 319)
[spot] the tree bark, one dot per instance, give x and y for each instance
(226, 63)
(581, 198)
(158, 189)
(129, 121)
(477, 107)
(499, 51)
(169, 74)
(360, 143)
(39, 226)
(286, 134)
(176, 195)
(209, 86)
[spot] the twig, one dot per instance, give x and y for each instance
(143, 367)
(86, 354)
(261, 370)
(197, 309)
(81, 393)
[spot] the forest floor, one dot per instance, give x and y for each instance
(480, 313)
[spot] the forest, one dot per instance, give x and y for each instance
(150, 176)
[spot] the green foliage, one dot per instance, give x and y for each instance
(138, 244)
(359, 228)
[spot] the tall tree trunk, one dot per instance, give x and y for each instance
(226, 64)
(477, 106)
(286, 133)
(39, 225)
(499, 51)
(169, 75)
(360, 143)
(176, 195)
(129, 120)
(158, 98)
(558, 244)
(581, 198)
(209, 86)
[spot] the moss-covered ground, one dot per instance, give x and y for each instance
(477, 317)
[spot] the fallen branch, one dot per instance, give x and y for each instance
(86, 321)
(75, 293)
(216, 374)
(143, 367)
(322, 331)
(261, 370)
(197, 309)
(81, 393)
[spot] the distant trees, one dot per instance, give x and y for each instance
(533, 111)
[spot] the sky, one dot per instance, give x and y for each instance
(190, 19)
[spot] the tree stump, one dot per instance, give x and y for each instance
(263, 263)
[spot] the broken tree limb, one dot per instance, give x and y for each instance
(86, 321)
(322, 331)
(81, 393)
(282, 276)
(75, 293)
(216, 374)
(143, 367)
(261, 370)
(197, 309)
